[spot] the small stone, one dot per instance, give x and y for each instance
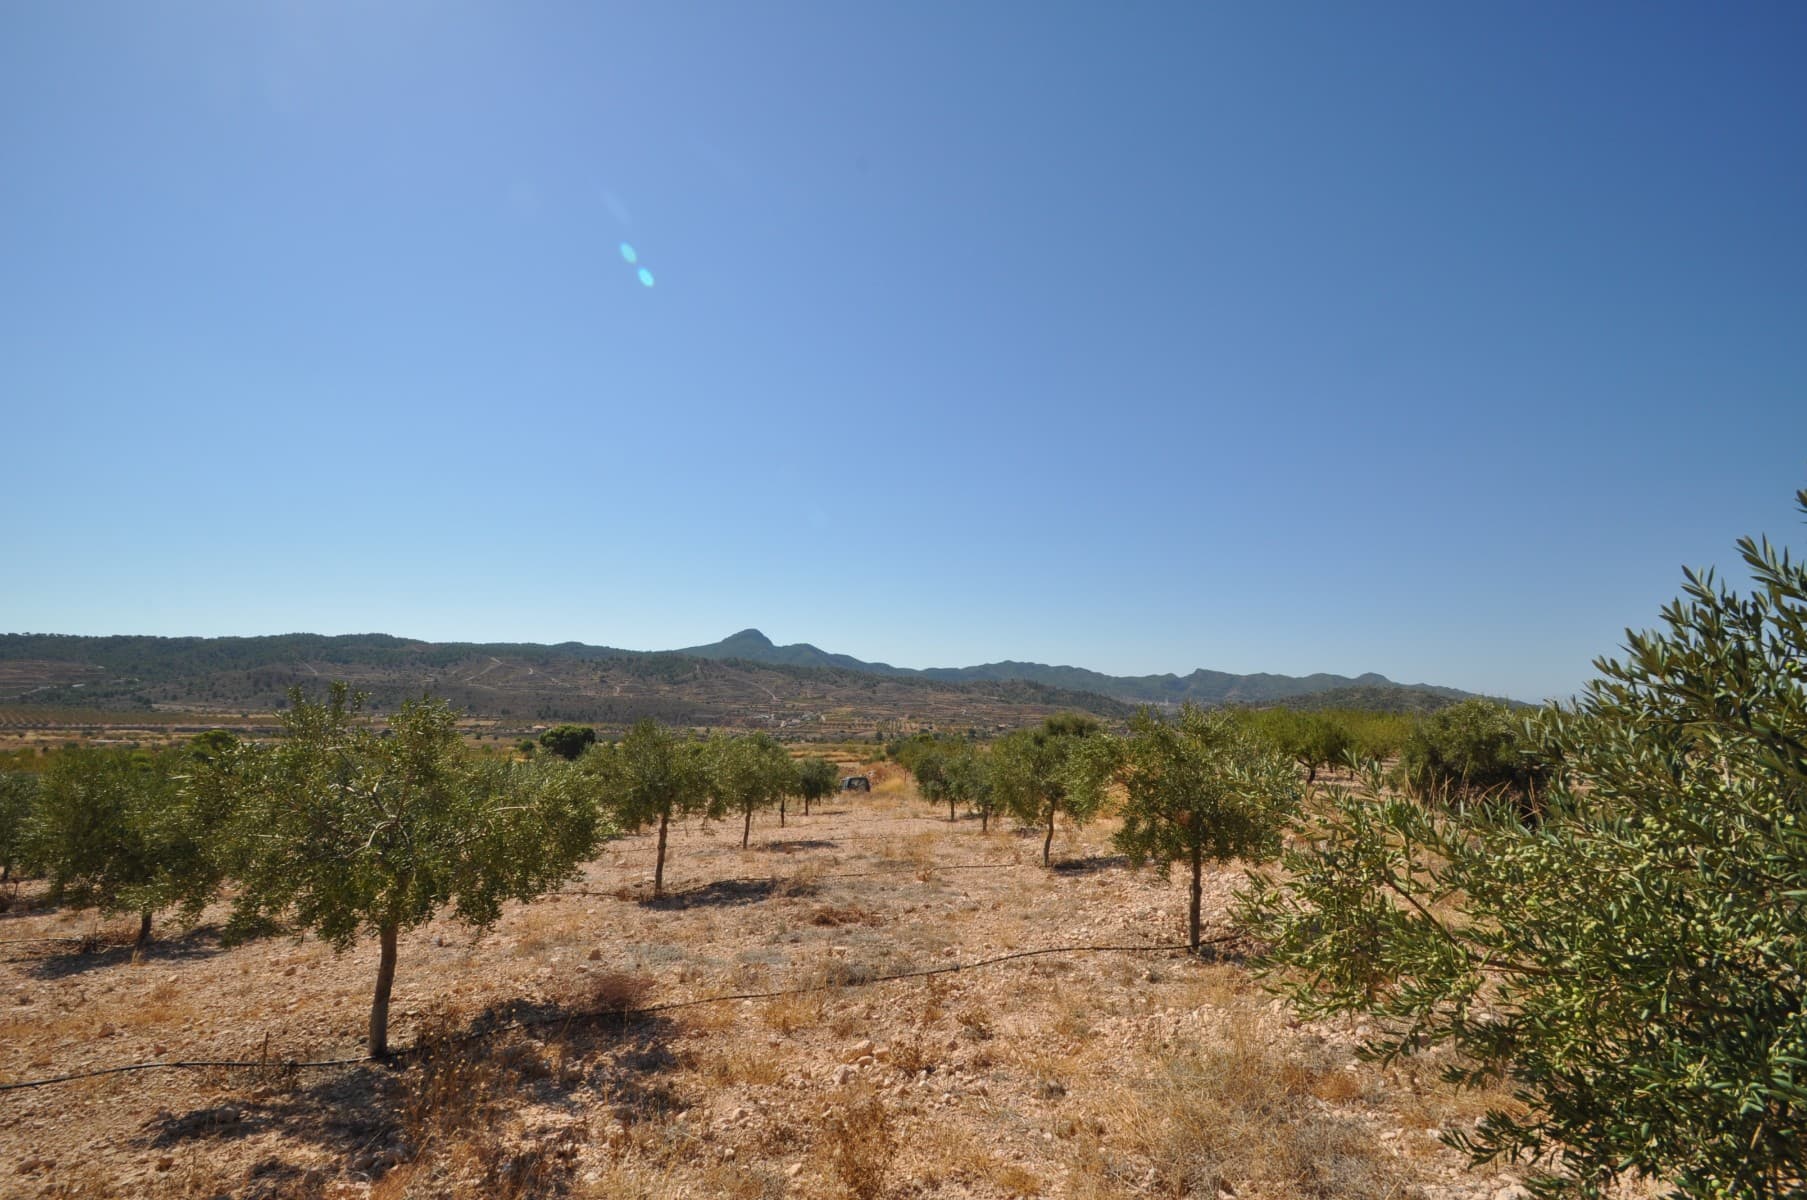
(794, 1170)
(596, 955)
(166, 1162)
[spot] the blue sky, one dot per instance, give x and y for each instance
(1425, 339)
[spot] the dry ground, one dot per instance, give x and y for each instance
(1086, 1075)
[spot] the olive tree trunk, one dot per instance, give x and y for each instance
(1198, 871)
(950, 808)
(385, 980)
(1048, 842)
(659, 862)
(144, 930)
(746, 831)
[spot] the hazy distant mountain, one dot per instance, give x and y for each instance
(1201, 686)
(740, 679)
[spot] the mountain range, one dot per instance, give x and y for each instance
(1201, 686)
(744, 679)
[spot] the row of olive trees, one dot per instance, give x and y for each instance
(1465, 750)
(338, 827)
(1198, 788)
(656, 775)
(354, 832)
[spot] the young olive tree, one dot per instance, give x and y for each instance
(951, 769)
(117, 831)
(1197, 789)
(1031, 769)
(1635, 966)
(748, 773)
(817, 780)
(356, 833)
(651, 776)
(966, 775)
(1313, 740)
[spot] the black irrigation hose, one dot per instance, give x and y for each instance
(620, 1014)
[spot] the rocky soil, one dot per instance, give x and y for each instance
(1098, 1073)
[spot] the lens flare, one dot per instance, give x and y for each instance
(629, 254)
(646, 277)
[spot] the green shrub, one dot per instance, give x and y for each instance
(1635, 966)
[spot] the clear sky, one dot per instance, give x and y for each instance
(1426, 339)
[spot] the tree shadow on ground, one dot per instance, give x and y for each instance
(727, 893)
(791, 847)
(457, 1081)
(1089, 864)
(62, 960)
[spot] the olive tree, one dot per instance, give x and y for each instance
(1313, 740)
(1635, 966)
(356, 833)
(966, 776)
(116, 830)
(1196, 789)
(1473, 747)
(651, 776)
(817, 780)
(748, 773)
(1031, 768)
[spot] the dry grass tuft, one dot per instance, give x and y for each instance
(833, 916)
(607, 992)
(862, 1143)
(806, 880)
(1246, 1111)
(739, 1064)
(787, 1014)
(454, 1139)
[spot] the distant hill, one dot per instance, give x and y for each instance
(1201, 686)
(1387, 698)
(741, 680)
(515, 685)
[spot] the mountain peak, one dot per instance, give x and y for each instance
(749, 637)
